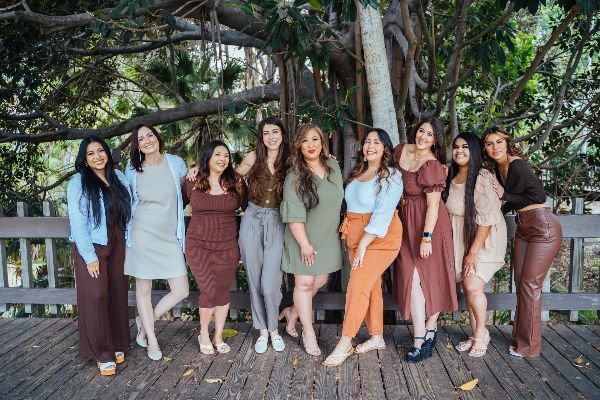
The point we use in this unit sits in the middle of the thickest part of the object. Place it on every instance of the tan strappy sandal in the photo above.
(368, 346)
(335, 360)
(207, 349)
(465, 345)
(480, 351)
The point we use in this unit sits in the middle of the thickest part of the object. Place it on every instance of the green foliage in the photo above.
(326, 113)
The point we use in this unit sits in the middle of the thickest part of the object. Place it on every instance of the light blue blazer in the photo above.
(178, 170)
(83, 232)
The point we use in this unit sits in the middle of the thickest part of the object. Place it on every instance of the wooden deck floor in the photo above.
(38, 360)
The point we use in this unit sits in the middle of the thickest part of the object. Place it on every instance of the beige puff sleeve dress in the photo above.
(487, 213)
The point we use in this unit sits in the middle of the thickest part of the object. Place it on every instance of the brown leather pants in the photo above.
(537, 242)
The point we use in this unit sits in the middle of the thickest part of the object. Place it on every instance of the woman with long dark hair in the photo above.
(424, 281)
(99, 213)
(261, 230)
(312, 198)
(156, 243)
(373, 233)
(537, 240)
(211, 247)
(479, 232)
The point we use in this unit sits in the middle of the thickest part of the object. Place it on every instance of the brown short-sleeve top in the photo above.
(269, 198)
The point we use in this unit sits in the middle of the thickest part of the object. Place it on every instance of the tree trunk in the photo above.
(378, 76)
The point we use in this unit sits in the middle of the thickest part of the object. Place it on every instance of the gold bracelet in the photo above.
(424, 240)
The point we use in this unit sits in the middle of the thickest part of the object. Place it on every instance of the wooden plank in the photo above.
(35, 227)
(260, 374)
(23, 326)
(323, 300)
(325, 377)
(348, 377)
(584, 348)
(18, 346)
(488, 384)
(569, 352)
(199, 364)
(175, 370)
(51, 258)
(133, 367)
(558, 383)
(25, 361)
(574, 226)
(391, 368)
(573, 374)
(576, 264)
(371, 379)
(587, 335)
(509, 381)
(171, 346)
(414, 374)
(526, 373)
(44, 370)
(242, 364)
(222, 363)
(281, 376)
(25, 251)
(75, 372)
(445, 371)
(3, 266)
(4, 322)
(303, 376)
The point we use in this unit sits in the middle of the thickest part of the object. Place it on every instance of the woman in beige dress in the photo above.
(479, 233)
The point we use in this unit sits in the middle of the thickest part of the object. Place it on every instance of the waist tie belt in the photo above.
(261, 214)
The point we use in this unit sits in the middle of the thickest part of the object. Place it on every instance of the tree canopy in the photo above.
(199, 69)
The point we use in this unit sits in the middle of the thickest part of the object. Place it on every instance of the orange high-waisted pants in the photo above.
(363, 297)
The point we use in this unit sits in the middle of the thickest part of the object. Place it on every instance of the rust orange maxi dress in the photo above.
(436, 272)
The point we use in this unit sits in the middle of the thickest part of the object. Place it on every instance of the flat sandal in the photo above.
(465, 345)
(207, 349)
(368, 346)
(480, 352)
(335, 360)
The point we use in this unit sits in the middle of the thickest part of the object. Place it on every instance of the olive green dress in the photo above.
(321, 224)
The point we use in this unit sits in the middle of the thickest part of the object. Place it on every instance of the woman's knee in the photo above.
(473, 285)
(143, 287)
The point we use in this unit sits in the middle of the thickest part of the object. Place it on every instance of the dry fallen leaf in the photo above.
(469, 385)
(578, 360)
(188, 372)
(214, 380)
(228, 332)
(296, 362)
(598, 348)
(167, 359)
(449, 346)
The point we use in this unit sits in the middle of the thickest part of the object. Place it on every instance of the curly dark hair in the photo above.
(260, 169)
(511, 147)
(387, 160)
(306, 186)
(230, 181)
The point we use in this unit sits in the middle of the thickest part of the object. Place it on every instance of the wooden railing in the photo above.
(576, 227)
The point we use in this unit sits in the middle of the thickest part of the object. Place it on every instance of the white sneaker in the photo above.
(261, 345)
(278, 343)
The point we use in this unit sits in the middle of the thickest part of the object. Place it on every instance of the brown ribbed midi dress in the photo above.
(211, 243)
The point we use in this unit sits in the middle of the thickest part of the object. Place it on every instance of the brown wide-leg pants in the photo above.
(102, 302)
(537, 242)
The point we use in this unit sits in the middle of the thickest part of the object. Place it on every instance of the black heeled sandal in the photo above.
(429, 344)
(416, 354)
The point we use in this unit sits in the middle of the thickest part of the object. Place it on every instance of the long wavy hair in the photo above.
(475, 163)
(93, 187)
(306, 187)
(260, 169)
(511, 147)
(230, 181)
(439, 144)
(136, 156)
(387, 160)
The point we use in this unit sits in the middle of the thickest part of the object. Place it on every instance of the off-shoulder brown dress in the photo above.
(437, 271)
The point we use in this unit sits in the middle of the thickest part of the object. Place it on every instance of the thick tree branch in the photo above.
(208, 107)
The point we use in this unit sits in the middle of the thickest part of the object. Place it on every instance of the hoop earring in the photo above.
(140, 153)
(364, 158)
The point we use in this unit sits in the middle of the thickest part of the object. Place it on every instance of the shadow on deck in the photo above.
(38, 360)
